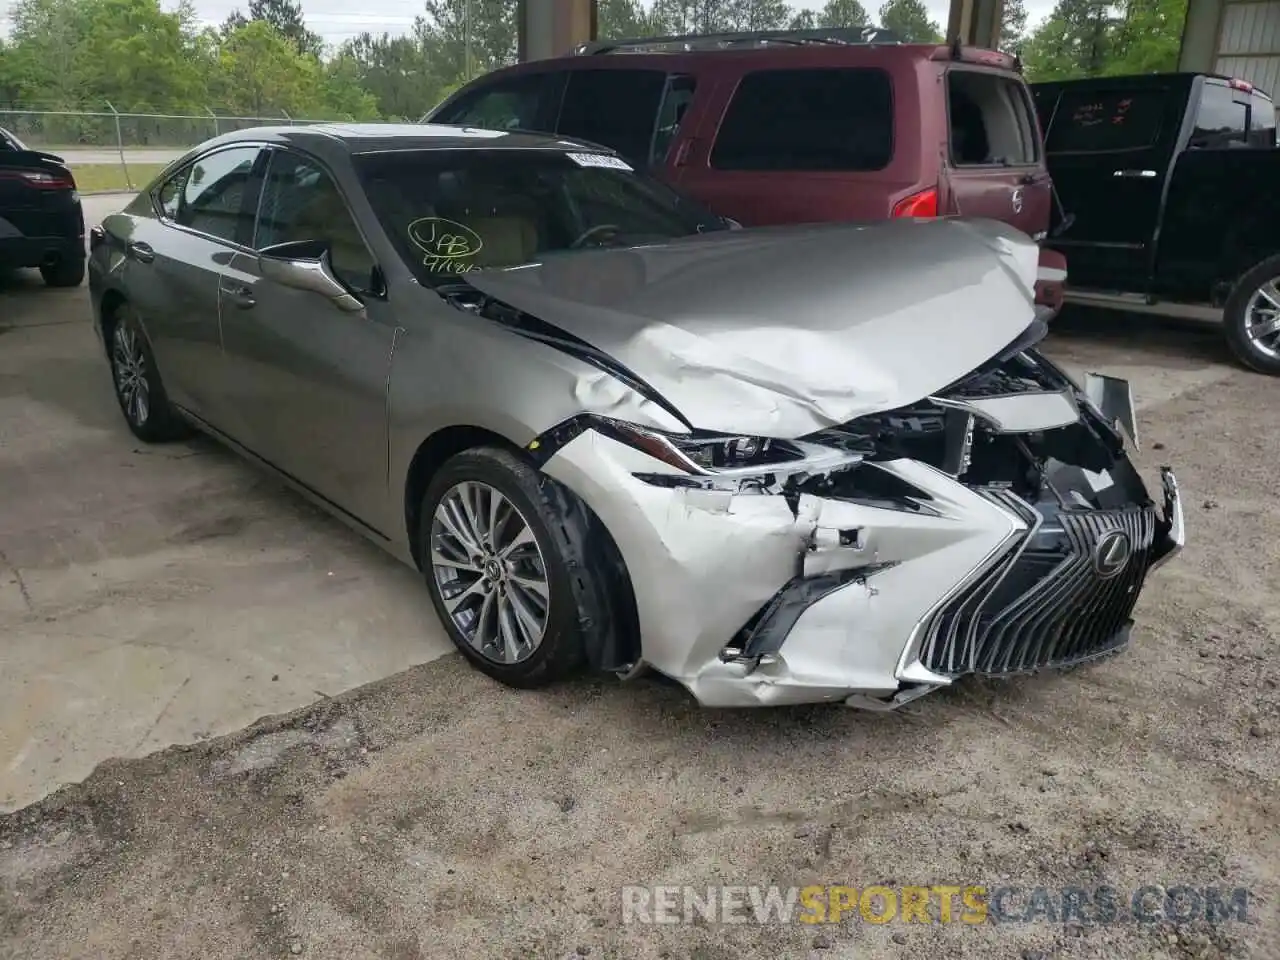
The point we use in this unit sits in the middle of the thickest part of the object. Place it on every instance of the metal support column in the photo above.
(1200, 36)
(552, 28)
(975, 23)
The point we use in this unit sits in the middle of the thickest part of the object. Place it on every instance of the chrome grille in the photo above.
(1034, 608)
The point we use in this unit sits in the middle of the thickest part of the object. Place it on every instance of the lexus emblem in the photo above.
(1016, 200)
(1112, 553)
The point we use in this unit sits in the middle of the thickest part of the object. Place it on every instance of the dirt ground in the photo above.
(435, 814)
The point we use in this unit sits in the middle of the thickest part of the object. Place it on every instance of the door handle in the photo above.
(141, 252)
(1135, 174)
(240, 295)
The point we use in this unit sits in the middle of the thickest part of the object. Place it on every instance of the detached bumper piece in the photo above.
(1061, 595)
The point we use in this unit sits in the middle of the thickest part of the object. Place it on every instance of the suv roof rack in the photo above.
(840, 36)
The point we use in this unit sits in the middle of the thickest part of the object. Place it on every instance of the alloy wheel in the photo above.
(1262, 319)
(130, 365)
(490, 572)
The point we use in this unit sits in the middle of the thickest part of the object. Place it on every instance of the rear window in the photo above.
(1104, 121)
(808, 120)
(990, 120)
(1221, 118)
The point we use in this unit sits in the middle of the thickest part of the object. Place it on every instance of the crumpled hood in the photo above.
(783, 331)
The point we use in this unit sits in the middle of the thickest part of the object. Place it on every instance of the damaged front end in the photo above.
(996, 527)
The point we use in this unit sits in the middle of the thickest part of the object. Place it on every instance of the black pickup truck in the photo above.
(1169, 188)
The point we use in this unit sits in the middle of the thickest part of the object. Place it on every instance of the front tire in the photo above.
(1252, 318)
(64, 273)
(503, 550)
(139, 389)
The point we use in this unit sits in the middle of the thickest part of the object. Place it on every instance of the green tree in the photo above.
(622, 20)
(844, 13)
(1077, 40)
(262, 75)
(138, 57)
(396, 71)
(757, 14)
(803, 20)
(286, 17)
(466, 38)
(1013, 24)
(1148, 37)
(691, 16)
(909, 19)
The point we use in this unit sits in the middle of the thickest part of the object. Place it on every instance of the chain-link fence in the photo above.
(123, 148)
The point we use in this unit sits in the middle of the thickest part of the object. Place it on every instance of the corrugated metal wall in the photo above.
(1249, 43)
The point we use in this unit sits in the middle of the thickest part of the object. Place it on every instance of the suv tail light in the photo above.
(922, 204)
(40, 179)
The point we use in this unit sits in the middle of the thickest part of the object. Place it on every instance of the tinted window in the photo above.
(453, 212)
(675, 103)
(990, 119)
(1221, 116)
(300, 201)
(807, 120)
(212, 198)
(522, 103)
(616, 108)
(1262, 122)
(1105, 121)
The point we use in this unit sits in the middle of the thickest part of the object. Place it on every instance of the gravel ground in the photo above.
(435, 814)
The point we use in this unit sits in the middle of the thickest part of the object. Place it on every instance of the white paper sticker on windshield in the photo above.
(599, 160)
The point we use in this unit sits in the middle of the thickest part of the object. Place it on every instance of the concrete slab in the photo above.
(159, 595)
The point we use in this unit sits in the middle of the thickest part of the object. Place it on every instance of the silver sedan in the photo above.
(613, 431)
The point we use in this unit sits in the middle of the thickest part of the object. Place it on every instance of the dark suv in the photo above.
(796, 126)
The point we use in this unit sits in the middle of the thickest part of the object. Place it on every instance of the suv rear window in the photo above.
(1092, 121)
(835, 119)
(990, 120)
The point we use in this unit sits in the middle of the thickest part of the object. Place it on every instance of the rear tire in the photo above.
(463, 548)
(139, 390)
(1251, 312)
(64, 273)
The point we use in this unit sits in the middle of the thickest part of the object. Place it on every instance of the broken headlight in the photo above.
(703, 452)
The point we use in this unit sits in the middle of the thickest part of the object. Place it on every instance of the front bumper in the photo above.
(751, 599)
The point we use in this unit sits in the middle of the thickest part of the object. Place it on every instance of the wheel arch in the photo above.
(108, 308)
(620, 645)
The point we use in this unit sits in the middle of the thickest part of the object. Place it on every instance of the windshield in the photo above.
(451, 212)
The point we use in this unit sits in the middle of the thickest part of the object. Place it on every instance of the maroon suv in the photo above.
(782, 127)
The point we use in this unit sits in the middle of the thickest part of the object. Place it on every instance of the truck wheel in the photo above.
(1252, 318)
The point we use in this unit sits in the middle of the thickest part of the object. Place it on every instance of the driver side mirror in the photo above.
(305, 265)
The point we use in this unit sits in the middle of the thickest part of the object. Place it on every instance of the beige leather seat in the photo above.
(505, 241)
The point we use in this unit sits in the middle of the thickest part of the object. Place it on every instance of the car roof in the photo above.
(387, 137)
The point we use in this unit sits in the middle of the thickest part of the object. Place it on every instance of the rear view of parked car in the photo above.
(41, 223)
(783, 127)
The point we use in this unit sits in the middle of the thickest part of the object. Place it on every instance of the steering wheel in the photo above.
(591, 232)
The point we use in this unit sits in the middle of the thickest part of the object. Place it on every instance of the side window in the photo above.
(615, 108)
(300, 201)
(832, 119)
(522, 103)
(1220, 118)
(990, 120)
(1105, 121)
(675, 104)
(169, 196)
(213, 194)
